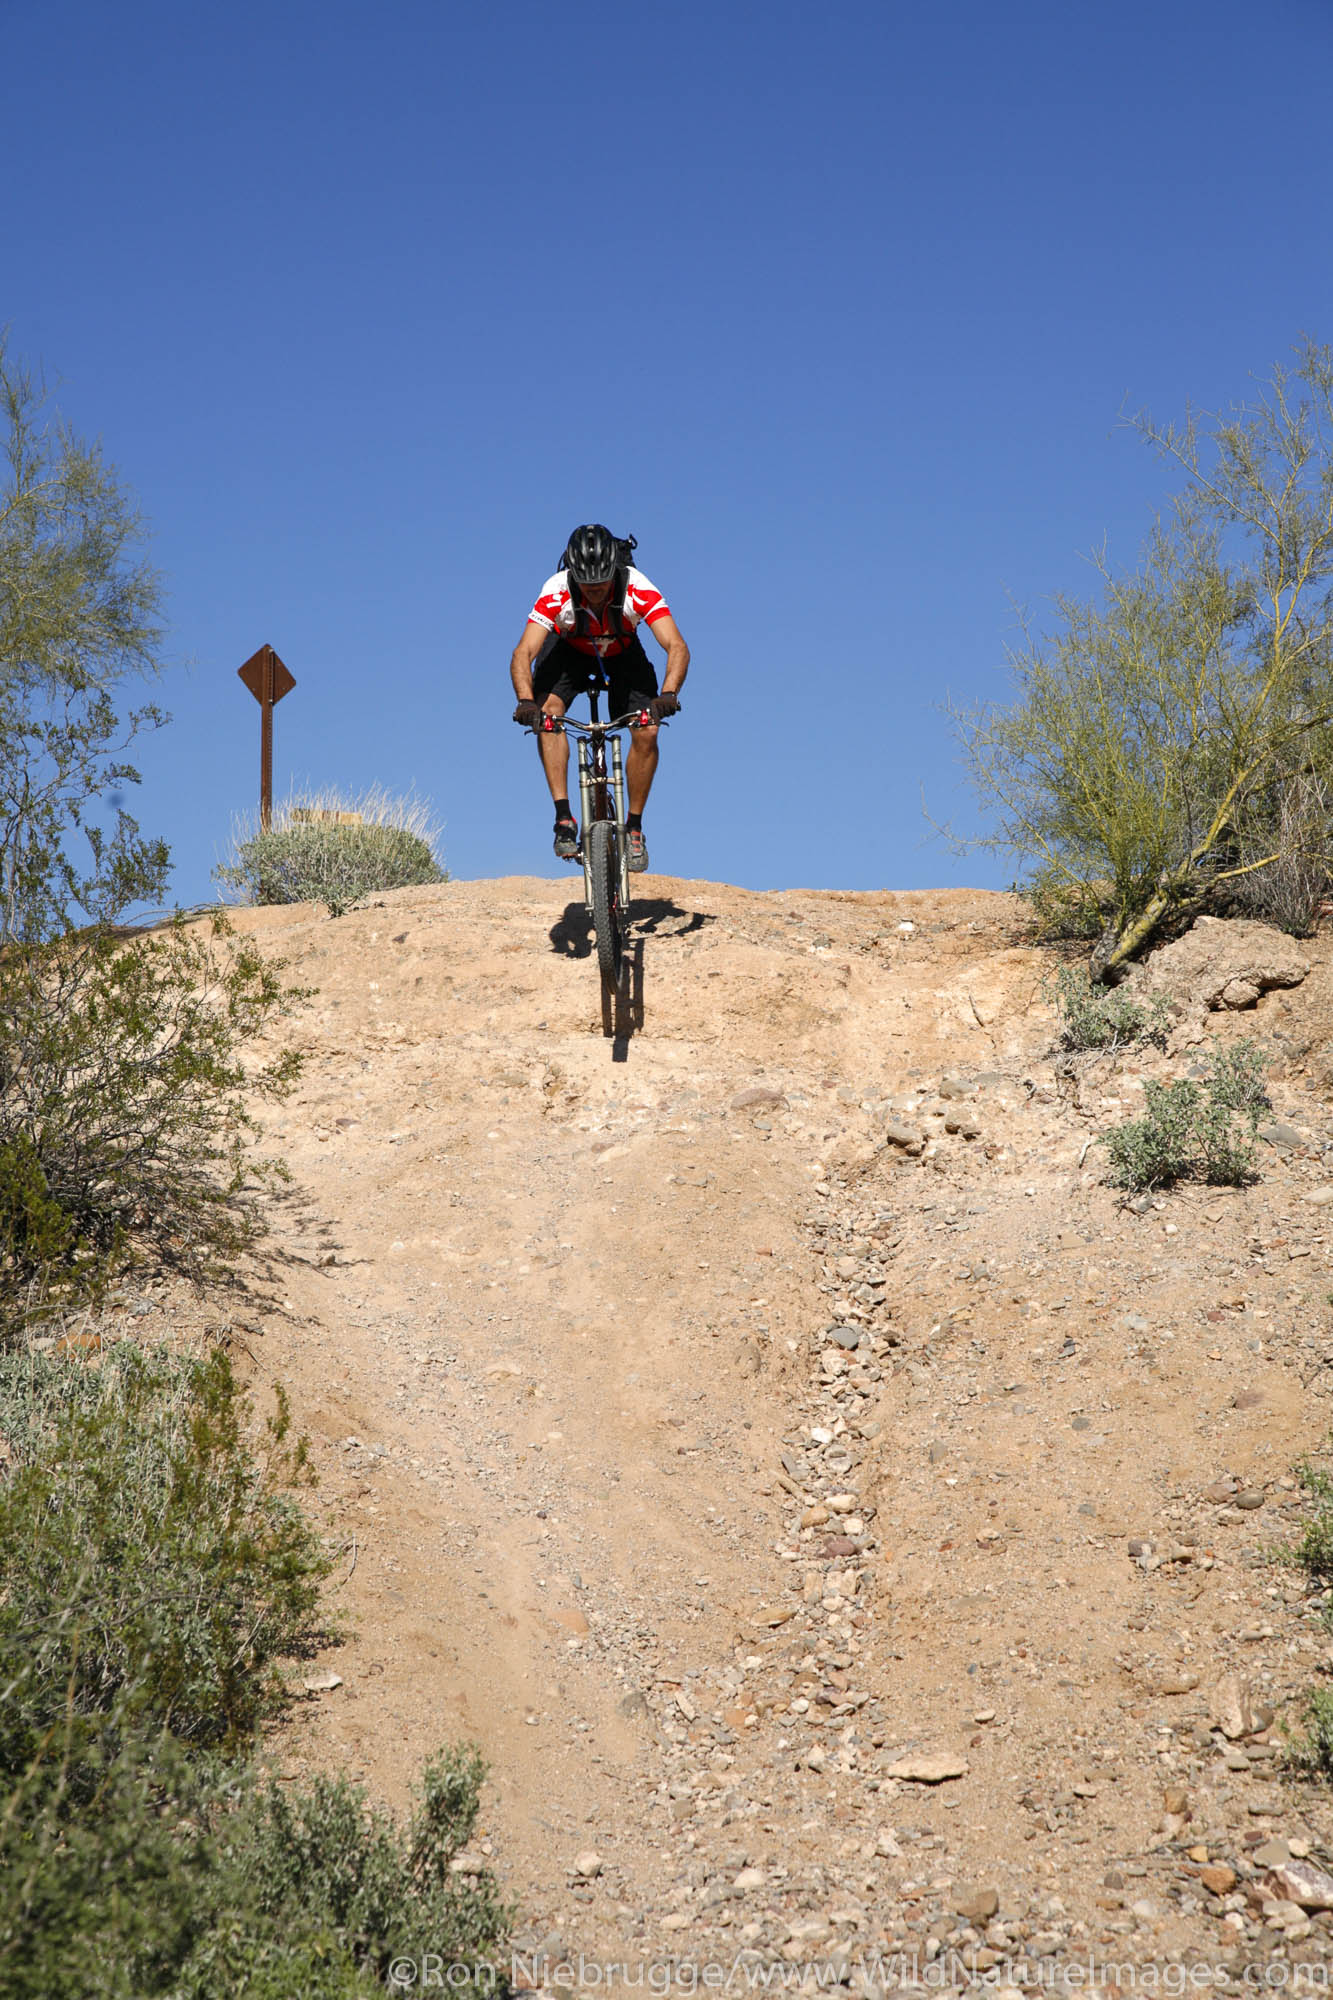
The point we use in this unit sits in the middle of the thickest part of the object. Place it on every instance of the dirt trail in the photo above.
(699, 1575)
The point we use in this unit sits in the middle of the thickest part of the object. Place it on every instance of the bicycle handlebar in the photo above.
(640, 719)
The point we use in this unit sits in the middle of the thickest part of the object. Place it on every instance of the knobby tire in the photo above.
(604, 869)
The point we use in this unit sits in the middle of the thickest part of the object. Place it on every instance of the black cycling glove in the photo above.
(663, 705)
(529, 714)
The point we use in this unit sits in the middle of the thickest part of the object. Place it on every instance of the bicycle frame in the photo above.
(605, 844)
(602, 784)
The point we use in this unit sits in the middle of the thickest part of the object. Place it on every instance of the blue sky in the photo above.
(835, 307)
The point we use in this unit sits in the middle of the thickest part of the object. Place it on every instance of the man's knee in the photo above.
(645, 738)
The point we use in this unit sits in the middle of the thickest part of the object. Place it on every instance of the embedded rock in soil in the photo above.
(928, 1768)
(1222, 963)
(1301, 1882)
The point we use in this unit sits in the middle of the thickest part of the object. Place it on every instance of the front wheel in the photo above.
(607, 913)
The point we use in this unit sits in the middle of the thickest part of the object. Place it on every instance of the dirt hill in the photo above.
(719, 1590)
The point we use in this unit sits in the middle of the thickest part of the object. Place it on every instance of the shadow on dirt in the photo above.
(571, 936)
(622, 1008)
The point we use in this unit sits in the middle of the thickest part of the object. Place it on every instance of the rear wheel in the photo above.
(604, 868)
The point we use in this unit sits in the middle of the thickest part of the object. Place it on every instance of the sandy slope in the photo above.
(553, 1307)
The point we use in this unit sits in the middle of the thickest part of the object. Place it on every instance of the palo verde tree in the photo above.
(79, 618)
(121, 1067)
(1170, 746)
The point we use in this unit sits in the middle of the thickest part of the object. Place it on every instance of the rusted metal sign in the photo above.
(268, 681)
(258, 667)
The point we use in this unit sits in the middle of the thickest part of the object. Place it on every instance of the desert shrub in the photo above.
(155, 1565)
(1159, 1148)
(153, 1558)
(121, 1059)
(100, 1881)
(1062, 911)
(1313, 1553)
(1312, 1751)
(1099, 1017)
(123, 1078)
(321, 1866)
(80, 619)
(1236, 1083)
(1170, 740)
(1194, 1130)
(311, 855)
(181, 1880)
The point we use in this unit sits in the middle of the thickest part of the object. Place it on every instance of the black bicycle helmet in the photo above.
(593, 554)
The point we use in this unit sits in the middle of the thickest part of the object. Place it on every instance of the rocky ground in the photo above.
(847, 1523)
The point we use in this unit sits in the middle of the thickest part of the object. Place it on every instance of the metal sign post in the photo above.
(268, 681)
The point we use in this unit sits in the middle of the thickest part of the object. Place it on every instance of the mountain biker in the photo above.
(589, 611)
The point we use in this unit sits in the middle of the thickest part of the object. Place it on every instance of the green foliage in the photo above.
(121, 1060)
(1159, 1148)
(1095, 1017)
(154, 1568)
(1190, 1130)
(123, 1079)
(1312, 1753)
(1170, 746)
(184, 1880)
(1063, 911)
(153, 1560)
(1314, 1551)
(80, 613)
(322, 849)
(99, 1885)
(319, 1869)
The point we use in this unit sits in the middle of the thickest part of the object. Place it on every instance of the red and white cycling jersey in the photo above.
(554, 609)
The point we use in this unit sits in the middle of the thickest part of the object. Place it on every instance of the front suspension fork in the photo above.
(589, 786)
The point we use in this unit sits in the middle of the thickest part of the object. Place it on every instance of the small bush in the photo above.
(1314, 1551)
(1062, 910)
(321, 1867)
(123, 1079)
(1312, 1753)
(154, 1565)
(100, 1880)
(186, 1882)
(1191, 1130)
(1101, 1017)
(309, 856)
(152, 1560)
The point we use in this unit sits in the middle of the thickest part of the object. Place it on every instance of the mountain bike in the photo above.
(603, 848)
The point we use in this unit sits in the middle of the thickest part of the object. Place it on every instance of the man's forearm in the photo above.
(520, 673)
(677, 666)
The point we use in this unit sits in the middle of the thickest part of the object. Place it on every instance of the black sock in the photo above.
(634, 823)
(562, 809)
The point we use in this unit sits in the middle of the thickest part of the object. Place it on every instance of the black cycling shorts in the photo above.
(562, 670)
